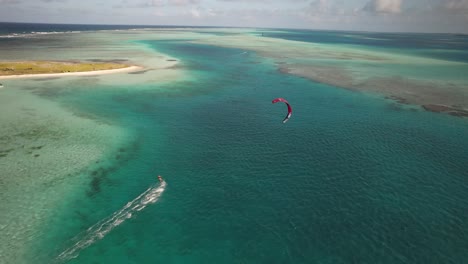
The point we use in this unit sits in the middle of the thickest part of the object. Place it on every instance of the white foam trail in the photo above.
(100, 229)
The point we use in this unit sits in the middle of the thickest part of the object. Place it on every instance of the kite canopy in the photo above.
(289, 108)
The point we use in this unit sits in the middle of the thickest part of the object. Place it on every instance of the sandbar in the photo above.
(84, 73)
(355, 68)
(438, 97)
(45, 151)
(446, 109)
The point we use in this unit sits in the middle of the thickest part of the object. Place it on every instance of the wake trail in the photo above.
(103, 227)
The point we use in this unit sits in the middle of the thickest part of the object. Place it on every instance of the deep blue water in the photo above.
(25, 28)
(7, 28)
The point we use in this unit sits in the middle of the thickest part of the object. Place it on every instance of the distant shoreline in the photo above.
(82, 73)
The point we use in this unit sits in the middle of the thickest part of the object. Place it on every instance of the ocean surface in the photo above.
(352, 177)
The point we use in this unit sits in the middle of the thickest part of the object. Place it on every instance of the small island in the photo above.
(22, 69)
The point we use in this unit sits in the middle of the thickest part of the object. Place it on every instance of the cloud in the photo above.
(10, 2)
(159, 13)
(330, 8)
(263, 1)
(457, 5)
(73, 11)
(201, 12)
(156, 3)
(319, 6)
(383, 6)
(144, 4)
(195, 13)
(182, 2)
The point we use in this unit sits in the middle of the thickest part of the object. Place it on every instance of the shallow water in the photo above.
(352, 177)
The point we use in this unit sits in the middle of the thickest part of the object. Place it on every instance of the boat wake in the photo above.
(100, 229)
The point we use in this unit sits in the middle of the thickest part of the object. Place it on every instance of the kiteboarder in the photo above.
(160, 178)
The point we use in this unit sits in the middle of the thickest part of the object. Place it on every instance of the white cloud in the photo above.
(6, 2)
(212, 12)
(159, 13)
(457, 5)
(195, 13)
(319, 6)
(182, 2)
(384, 6)
(156, 3)
(160, 3)
(50, 1)
(263, 1)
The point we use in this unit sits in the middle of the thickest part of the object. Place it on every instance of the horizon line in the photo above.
(240, 27)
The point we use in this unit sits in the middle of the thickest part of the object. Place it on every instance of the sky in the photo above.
(446, 16)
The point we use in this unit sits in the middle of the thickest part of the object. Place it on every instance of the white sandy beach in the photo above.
(87, 73)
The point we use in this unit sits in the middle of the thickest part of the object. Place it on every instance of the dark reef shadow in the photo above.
(102, 174)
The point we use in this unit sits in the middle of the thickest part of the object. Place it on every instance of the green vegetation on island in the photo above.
(8, 68)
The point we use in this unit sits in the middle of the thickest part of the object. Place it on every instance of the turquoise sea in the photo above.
(352, 177)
